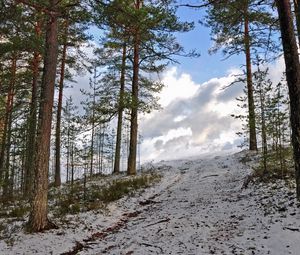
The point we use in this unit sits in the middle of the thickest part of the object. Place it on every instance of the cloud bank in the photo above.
(195, 118)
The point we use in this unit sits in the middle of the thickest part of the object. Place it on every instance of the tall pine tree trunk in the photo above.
(120, 114)
(131, 168)
(293, 77)
(7, 121)
(38, 220)
(57, 174)
(32, 121)
(297, 15)
(93, 123)
(251, 107)
(7, 175)
(1, 117)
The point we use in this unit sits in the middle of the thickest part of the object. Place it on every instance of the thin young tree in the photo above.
(120, 112)
(57, 175)
(71, 37)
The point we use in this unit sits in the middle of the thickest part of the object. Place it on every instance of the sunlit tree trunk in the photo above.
(251, 107)
(131, 168)
(120, 113)
(38, 220)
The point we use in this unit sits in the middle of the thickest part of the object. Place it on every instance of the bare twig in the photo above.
(158, 222)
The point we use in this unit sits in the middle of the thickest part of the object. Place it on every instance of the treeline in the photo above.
(41, 50)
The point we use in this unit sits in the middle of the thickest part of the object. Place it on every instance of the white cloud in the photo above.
(276, 70)
(176, 87)
(195, 118)
(180, 118)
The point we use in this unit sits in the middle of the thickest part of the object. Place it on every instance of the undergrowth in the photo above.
(279, 166)
(81, 198)
(95, 194)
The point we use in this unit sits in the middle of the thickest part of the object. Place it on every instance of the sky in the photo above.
(196, 110)
(206, 66)
(196, 115)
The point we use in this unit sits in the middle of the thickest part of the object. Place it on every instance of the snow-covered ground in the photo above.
(197, 208)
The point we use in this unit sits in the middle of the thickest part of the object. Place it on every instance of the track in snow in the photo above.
(204, 212)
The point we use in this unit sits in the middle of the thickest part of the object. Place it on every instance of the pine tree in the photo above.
(147, 27)
(57, 177)
(39, 214)
(293, 78)
(32, 118)
(262, 90)
(242, 26)
(71, 130)
(71, 38)
(120, 111)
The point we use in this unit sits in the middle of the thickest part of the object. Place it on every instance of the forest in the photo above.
(48, 142)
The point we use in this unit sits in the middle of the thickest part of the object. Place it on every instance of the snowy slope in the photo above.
(197, 208)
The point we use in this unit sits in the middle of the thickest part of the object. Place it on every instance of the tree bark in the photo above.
(131, 168)
(120, 114)
(251, 107)
(293, 78)
(1, 116)
(38, 220)
(297, 15)
(57, 174)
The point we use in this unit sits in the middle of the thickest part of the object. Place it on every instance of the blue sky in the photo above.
(206, 66)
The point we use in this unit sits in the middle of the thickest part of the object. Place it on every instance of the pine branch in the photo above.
(200, 5)
(49, 11)
(34, 6)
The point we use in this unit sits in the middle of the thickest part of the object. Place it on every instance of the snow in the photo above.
(199, 207)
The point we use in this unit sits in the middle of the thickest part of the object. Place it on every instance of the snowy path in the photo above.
(204, 212)
(198, 208)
